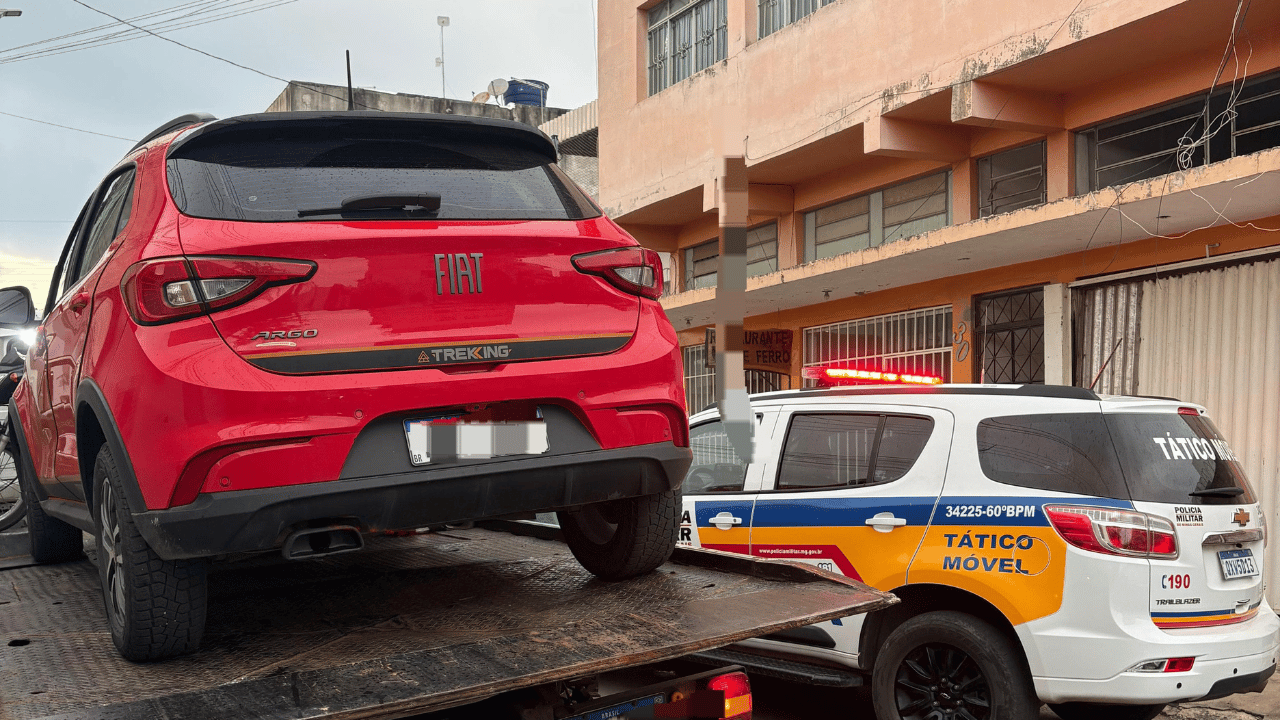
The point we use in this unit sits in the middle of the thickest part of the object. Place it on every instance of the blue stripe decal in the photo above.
(1008, 511)
(704, 510)
(839, 512)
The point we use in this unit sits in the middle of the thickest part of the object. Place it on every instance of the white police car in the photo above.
(1100, 554)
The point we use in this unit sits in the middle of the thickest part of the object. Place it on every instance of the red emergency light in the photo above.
(852, 376)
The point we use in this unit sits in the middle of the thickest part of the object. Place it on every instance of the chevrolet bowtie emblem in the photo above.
(1241, 517)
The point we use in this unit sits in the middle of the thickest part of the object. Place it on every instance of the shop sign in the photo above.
(761, 349)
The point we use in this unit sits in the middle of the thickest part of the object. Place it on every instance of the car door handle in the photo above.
(79, 302)
(725, 520)
(885, 521)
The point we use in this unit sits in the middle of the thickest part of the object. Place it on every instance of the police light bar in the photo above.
(840, 376)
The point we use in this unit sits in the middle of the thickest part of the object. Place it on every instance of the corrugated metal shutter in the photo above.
(1213, 338)
(1106, 319)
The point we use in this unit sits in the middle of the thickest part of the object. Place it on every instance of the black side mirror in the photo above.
(16, 309)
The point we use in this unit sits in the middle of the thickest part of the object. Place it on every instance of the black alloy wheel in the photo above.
(940, 682)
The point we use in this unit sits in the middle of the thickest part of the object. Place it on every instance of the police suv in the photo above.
(1099, 554)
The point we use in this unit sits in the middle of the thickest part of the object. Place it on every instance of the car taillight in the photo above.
(634, 269)
(1165, 665)
(737, 695)
(1114, 532)
(174, 288)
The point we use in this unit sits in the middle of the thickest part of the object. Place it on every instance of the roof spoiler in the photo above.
(175, 124)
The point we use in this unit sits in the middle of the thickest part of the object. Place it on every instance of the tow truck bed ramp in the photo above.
(409, 625)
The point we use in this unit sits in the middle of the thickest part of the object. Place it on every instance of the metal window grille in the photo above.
(759, 381)
(702, 262)
(685, 36)
(1010, 336)
(915, 341)
(897, 212)
(1145, 145)
(1256, 124)
(773, 15)
(1011, 180)
(699, 380)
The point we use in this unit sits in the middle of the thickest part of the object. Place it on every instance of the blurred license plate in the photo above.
(621, 709)
(1237, 563)
(444, 439)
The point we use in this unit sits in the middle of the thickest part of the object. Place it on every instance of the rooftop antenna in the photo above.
(481, 98)
(351, 102)
(443, 22)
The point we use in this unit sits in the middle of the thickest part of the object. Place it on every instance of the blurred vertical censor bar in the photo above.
(731, 291)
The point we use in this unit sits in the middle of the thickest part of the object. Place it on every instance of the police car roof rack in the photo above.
(1069, 392)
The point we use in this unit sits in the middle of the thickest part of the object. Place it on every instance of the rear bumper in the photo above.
(1207, 680)
(254, 520)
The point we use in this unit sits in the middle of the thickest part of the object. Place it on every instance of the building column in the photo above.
(1060, 173)
(1057, 334)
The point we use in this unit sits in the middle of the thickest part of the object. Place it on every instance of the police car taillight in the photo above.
(850, 376)
(737, 695)
(1114, 532)
(1166, 665)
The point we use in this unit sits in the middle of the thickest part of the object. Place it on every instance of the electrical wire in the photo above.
(216, 57)
(1186, 144)
(191, 19)
(67, 127)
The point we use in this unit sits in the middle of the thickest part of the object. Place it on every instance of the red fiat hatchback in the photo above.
(282, 332)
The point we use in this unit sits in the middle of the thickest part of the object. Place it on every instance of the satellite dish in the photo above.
(498, 87)
(481, 98)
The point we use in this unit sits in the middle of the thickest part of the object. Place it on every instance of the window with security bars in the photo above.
(699, 380)
(759, 381)
(915, 341)
(702, 262)
(685, 36)
(1011, 180)
(894, 213)
(1009, 336)
(1242, 118)
(776, 14)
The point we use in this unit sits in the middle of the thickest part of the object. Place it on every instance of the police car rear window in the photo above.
(1066, 452)
(1180, 459)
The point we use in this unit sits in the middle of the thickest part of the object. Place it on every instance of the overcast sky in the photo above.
(129, 88)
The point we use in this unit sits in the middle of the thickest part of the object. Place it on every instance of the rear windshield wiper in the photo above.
(420, 202)
(1218, 492)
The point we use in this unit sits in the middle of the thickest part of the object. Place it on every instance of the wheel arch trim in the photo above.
(926, 597)
(90, 397)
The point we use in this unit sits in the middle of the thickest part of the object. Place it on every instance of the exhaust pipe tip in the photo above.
(321, 542)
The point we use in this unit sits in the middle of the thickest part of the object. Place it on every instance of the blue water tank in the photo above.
(526, 92)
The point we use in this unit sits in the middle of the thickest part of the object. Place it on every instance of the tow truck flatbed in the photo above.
(407, 626)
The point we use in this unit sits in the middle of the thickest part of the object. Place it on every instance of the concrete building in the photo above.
(997, 191)
(575, 130)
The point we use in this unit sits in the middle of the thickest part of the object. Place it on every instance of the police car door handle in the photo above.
(885, 521)
(725, 520)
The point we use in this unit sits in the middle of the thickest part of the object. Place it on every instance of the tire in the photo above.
(621, 539)
(1102, 711)
(156, 607)
(951, 666)
(12, 507)
(49, 539)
